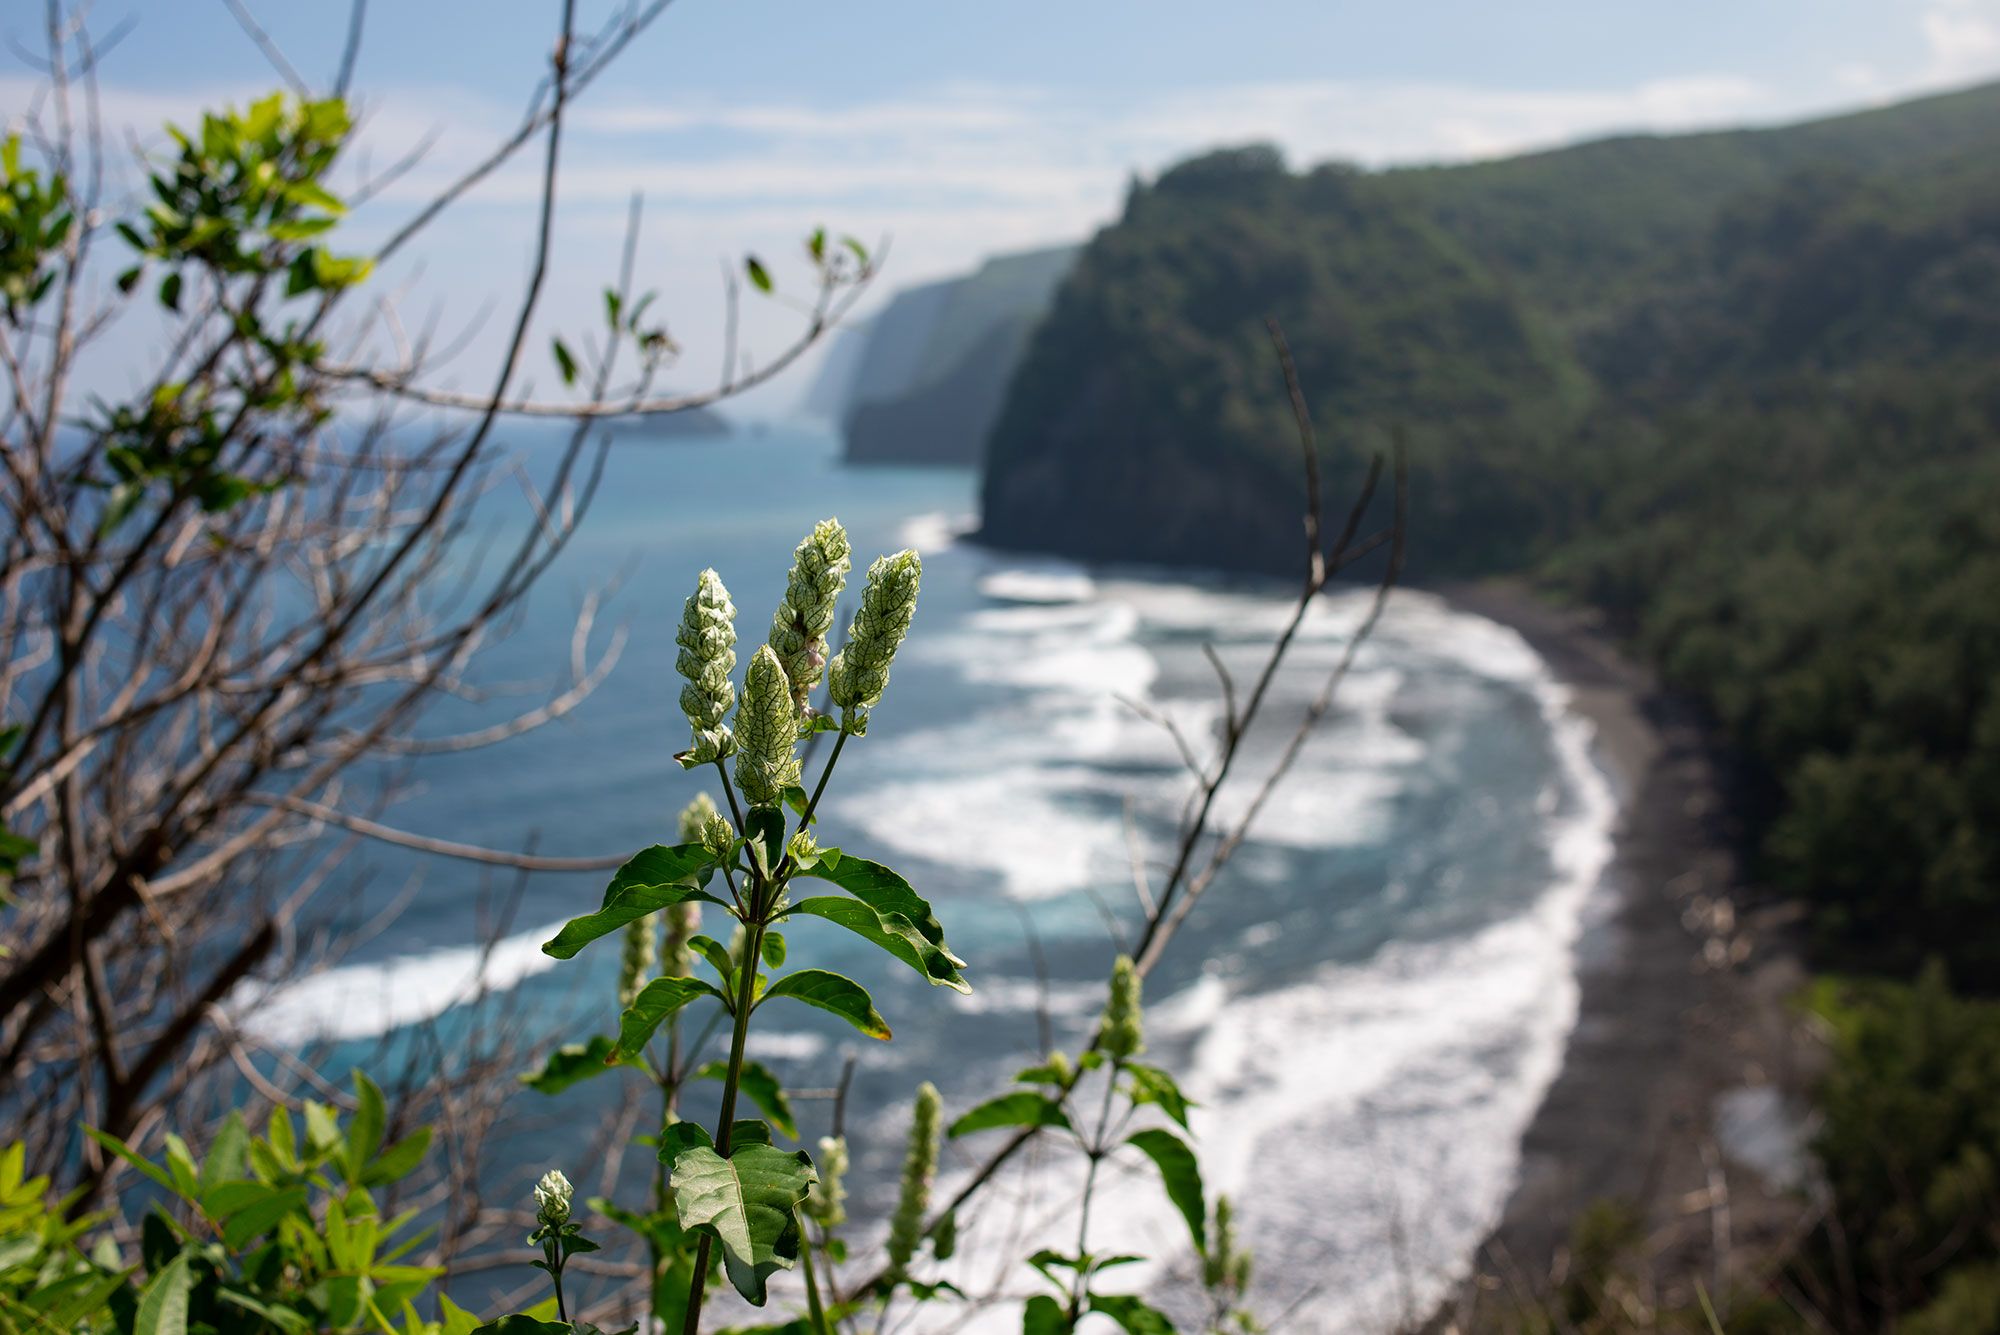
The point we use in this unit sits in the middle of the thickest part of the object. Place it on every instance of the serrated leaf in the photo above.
(655, 1002)
(763, 1088)
(1023, 1107)
(651, 880)
(750, 1202)
(1181, 1172)
(833, 993)
(572, 1062)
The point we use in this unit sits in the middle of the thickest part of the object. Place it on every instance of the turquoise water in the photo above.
(1369, 1002)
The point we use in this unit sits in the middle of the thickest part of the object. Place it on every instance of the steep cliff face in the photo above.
(1506, 318)
(1149, 421)
(928, 373)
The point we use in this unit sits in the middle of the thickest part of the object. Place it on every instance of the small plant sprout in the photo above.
(733, 1193)
(1053, 1100)
(560, 1238)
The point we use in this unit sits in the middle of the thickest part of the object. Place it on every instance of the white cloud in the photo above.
(1962, 38)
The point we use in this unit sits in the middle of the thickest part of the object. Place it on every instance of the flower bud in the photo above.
(552, 1195)
(860, 671)
(906, 1227)
(799, 626)
(767, 732)
(718, 835)
(826, 1201)
(695, 816)
(803, 849)
(707, 639)
(1119, 1035)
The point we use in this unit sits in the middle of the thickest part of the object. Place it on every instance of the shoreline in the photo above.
(1682, 1087)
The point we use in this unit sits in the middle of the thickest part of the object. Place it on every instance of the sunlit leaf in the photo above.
(653, 879)
(832, 992)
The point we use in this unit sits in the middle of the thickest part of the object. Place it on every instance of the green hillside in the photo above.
(1739, 391)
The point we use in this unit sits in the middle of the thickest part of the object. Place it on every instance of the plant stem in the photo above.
(1096, 1151)
(746, 989)
(553, 1250)
(814, 1312)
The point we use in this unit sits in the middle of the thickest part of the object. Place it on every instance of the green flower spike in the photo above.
(860, 671)
(799, 626)
(767, 733)
(826, 1203)
(641, 947)
(1120, 1035)
(906, 1228)
(707, 638)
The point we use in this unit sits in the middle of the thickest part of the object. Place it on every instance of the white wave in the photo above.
(362, 1000)
(1367, 1120)
(934, 532)
(1050, 582)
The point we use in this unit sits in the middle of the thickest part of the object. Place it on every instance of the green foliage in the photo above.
(1910, 1142)
(35, 222)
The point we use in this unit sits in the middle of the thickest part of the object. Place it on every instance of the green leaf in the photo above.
(399, 1160)
(1132, 1313)
(1043, 1315)
(750, 1202)
(256, 1211)
(522, 1324)
(612, 306)
(133, 1157)
(565, 363)
(894, 933)
(163, 1303)
(228, 1153)
(655, 1002)
(572, 1062)
(717, 956)
(763, 1088)
(364, 1132)
(1023, 1107)
(170, 291)
(772, 949)
(760, 277)
(892, 899)
(653, 879)
(764, 828)
(680, 1137)
(1152, 1085)
(831, 992)
(1181, 1172)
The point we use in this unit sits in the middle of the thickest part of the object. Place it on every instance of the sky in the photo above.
(956, 130)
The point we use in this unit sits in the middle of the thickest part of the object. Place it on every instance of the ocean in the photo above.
(1368, 1005)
